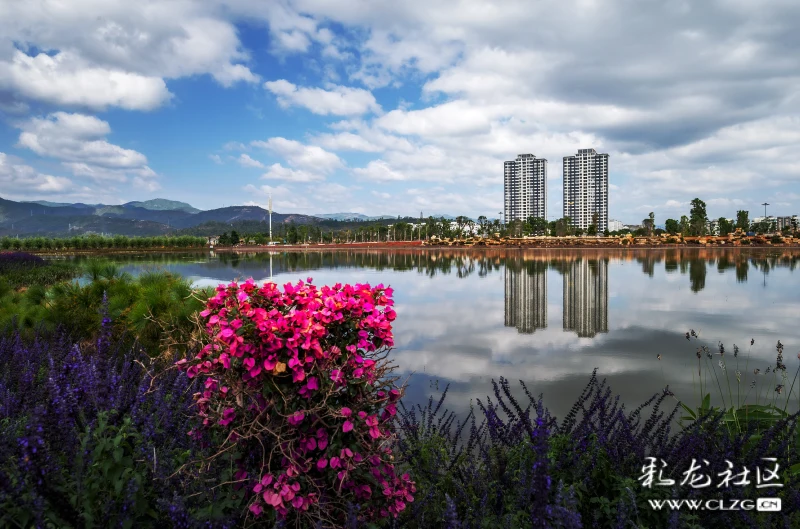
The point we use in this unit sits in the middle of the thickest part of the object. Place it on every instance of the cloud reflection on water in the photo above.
(550, 317)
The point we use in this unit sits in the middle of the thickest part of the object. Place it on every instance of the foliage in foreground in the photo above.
(515, 466)
(88, 438)
(156, 308)
(20, 269)
(95, 435)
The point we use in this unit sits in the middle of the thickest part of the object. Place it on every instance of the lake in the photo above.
(548, 317)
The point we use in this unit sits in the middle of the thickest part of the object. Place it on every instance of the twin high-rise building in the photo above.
(525, 186)
(585, 188)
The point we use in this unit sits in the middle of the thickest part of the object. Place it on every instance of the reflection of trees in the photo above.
(648, 262)
(697, 274)
(741, 270)
(670, 261)
(464, 263)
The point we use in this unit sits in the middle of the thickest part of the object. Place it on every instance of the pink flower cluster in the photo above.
(300, 371)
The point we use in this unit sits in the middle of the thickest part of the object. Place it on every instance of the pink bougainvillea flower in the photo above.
(227, 417)
(296, 418)
(272, 498)
(315, 334)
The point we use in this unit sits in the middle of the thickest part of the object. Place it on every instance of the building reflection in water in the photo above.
(526, 295)
(586, 297)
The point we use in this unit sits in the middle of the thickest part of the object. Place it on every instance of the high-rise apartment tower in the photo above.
(586, 189)
(525, 186)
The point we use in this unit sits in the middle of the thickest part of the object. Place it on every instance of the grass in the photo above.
(156, 308)
(719, 372)
(21, 270)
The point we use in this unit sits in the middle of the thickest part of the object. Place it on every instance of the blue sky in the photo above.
(386, 107)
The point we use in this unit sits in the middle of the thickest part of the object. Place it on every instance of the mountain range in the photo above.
(151, 217)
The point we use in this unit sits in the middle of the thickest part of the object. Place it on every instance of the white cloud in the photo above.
(23, 180)
(246, 161)
(215, 158)
(78, 141)
(278, 172)
(448, 119)
(347, 141)
(115, 53)
(337, 100)
(64, 79)
(235, 146)
(378, 171)
(307, 157)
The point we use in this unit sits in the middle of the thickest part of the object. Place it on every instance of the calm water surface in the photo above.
(548, 317)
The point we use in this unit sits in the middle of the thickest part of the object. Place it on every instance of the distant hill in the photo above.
(353, 216)
(156, 217)
(60, 219)
(162, 204)
(343, 216)
(60, 204)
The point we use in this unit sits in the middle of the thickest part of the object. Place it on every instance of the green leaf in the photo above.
(688, 410)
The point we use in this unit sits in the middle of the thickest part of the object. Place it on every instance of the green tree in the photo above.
(672, 226)
(684, 224)
(725, 227)
(483, 224)
(538, 225)
(743, 220)
(698, 217)
(235, 238)
(591, 230)
(649, 224)
(562, 227)
(291, 234)
(224, 239)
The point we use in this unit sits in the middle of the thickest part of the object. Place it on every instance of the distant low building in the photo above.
(790, 221)
(213, 240)
(712, 227)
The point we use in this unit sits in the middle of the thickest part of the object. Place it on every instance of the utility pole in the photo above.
(270, 217)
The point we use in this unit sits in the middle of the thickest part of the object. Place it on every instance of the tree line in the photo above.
(98, 242)
(697, 223)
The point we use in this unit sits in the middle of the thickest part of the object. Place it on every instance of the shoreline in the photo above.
(519, 244)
